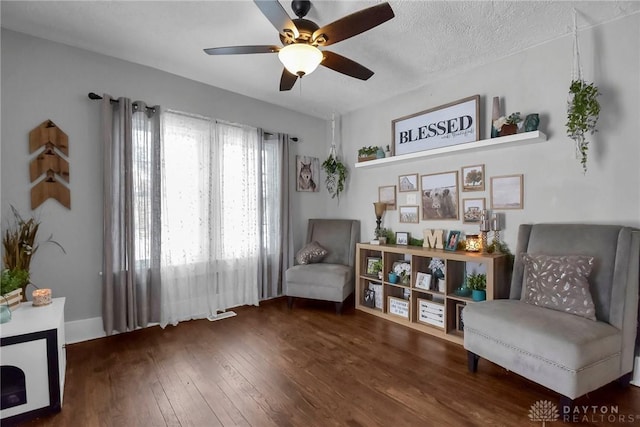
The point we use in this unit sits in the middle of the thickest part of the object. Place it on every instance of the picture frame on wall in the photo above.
(439, 196)
(452, 240)
(307, 174)
(507, 192)
(408, 182)
(402, 238)
(472, 209)
(409, 214)
(472, 178)
(443, 126)
(387, 194)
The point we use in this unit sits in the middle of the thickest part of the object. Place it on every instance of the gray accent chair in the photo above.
(332, 279)
(568, 354)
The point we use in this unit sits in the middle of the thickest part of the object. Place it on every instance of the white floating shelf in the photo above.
(502, 141)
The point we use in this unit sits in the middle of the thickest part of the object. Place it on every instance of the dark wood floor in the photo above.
(270, 366)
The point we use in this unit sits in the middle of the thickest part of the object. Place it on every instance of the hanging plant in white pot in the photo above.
(583, 108)
(334, 168)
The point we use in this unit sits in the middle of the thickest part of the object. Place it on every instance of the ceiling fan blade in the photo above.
(287, 80)
(278, 17)
(345, 66)
(239, 50)
(352, 25)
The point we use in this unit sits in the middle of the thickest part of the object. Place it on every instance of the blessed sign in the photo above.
(450, 124)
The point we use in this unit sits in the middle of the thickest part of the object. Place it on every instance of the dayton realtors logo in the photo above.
(545, 411)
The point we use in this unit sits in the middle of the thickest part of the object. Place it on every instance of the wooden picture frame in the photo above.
(370, 263)
(472, 178)
(439, 193)
(452, 240)
(507, 192)
(471, 210)
(409, 214)
(387, 194)
(450, 124)
(423, 281)
(408, 183)
(402, 238)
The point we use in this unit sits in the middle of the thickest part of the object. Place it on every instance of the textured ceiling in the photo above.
(423, 41)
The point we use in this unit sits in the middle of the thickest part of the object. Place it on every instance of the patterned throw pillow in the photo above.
(559, 283)
(311, 254)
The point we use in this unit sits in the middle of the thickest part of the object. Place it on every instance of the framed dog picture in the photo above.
(307, 174)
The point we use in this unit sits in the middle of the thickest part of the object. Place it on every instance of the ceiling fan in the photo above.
(302, 37)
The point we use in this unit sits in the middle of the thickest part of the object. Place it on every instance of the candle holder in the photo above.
(483, 237)
(41, 297)
(473, 243)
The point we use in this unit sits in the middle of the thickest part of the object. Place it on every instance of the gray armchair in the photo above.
(333, 278)
(564, 352)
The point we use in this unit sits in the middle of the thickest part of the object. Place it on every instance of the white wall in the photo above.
(43, 80)
(536, 80)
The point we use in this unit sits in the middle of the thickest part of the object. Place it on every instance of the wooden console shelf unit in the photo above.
(410, 301)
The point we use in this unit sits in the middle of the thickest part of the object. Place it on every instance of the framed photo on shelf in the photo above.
(471, 210)
(459, 323)
(452, 240)
(423, 281)
(387, 194)
(507, 192)
(371, 265)
(439, 196)
(408, 182)
(369, 298)
(402, 238)
(473, 178)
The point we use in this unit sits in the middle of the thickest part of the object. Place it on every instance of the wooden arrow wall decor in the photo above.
(50, 139)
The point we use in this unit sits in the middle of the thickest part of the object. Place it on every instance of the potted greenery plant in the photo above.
(367, 153)
(477, 282)
(376, 267)
(12, 284)
(19, 242)
(583, 110)
(336, 175)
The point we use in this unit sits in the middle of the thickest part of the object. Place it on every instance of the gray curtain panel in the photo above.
(276, 244)
(131, 228)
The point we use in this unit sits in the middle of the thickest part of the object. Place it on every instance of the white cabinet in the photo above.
(33, 361)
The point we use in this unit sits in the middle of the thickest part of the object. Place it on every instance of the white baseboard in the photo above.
(83, 330)
(89, 329)
(636, 372)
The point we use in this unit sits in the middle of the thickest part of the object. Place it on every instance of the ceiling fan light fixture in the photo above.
(300, 59)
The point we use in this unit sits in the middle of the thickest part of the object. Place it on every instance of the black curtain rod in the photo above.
(95, 96)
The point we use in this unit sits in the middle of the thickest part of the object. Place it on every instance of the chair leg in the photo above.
(289, 302)
(566, 405)
(339, 307)
(472, 362)
(624, 380)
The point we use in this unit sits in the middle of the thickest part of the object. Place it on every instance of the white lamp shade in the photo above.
(300, 59)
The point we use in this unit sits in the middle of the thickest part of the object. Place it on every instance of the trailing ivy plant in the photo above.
(583, 110)
(336, 175)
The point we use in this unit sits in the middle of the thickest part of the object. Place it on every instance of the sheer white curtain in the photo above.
(210, 210)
